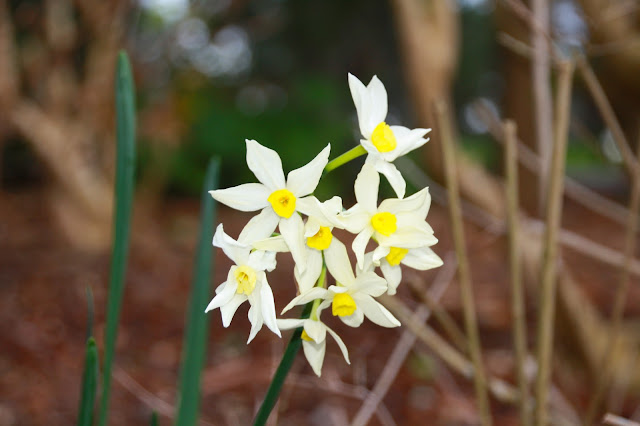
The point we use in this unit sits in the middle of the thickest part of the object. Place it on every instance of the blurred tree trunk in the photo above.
(614, 27)
(518, 98)
(429, 36)
(63, 108)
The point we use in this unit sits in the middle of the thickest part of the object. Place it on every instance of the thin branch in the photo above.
(441, 316)
(542, 100)
(496, 226)
(402, 348)
(553, 215)
(572, 188)
(611, 419)
(517, 289)
(464, 273)
(620, 300)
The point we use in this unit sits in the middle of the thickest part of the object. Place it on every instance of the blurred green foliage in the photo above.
(297, 131)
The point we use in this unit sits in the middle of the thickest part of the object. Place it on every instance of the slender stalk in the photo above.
(124, 186)
(464, 274)
(343, 159)
(620, 298)
(444, 319)
(517, 290)
(542, 100)
(195, 337)
(553, 213)
(279, 377)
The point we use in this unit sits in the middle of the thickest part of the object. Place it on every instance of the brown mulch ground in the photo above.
(43, 314)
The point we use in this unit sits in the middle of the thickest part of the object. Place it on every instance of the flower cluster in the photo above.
(306, 227)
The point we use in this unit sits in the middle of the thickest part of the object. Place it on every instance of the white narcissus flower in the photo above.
(314, 340)
(390, 258)
(395, 223)
(352, 298)
(277, 198)
(382, 142)
(246, 280)
(317, 235)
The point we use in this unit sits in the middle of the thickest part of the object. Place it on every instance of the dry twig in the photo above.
(553, 214)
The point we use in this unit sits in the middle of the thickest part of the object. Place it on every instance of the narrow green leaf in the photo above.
(90, 310)
(195, 338)
(154, 419)
(125, 162)
(89, 384)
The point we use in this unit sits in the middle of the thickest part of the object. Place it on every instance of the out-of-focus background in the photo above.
(212, 73)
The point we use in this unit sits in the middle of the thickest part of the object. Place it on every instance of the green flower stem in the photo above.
(275, 387)
(287, 359)
(320, 283)
(345, 158)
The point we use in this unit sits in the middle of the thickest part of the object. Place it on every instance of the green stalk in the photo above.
(125, 162)
(195, 338)
(279, 377)
(89, 384)
(343, 159)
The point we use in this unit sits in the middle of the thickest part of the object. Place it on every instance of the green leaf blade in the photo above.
(194, 346)
(89, 384)
(124, 186)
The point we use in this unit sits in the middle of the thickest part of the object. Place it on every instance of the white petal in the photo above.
(289, 323)
(370, 102)
(324, 214)
(316, 330)
(354, 320)
(303, 181)
(234, 250)
(228, 310)
(369, 283)
(422, 258)
(338, 264)
(416, 204)
(378, 99)
(393, 176)
(265, 163)
(314, 352)
(355, 219)
(322, 306)
(226, 293)
(408, 140)
(292, 229)
(255, 317)
(368, 266)
(393, 275)
(341, 345)
(366, 188)
(379, 253)
(268, 307)
(408, 237)
(261, 260)
(311, 227)
(247, 197)
(275, 244)
(362, 104)
(313, 294)
(308, 278)
(260, 226)
(375, 312)
(360, 244)
(374, 154)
